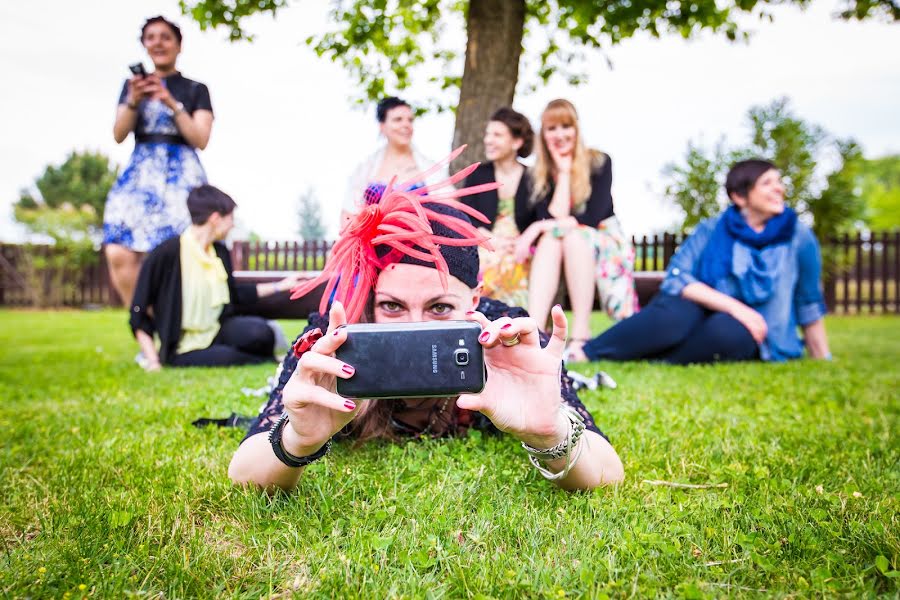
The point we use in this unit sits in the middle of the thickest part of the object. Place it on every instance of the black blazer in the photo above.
(486, 202)
(159, 288)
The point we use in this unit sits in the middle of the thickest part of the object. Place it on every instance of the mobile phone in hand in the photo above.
(138, 69)
(412, 360)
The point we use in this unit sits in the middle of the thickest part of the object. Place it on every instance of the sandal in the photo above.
(574, 353)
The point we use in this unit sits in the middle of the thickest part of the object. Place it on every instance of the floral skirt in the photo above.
(614, 256)
(614, 264)
(503, 278)
(148, 203)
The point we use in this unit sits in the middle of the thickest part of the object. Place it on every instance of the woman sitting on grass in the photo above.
(186, 294)
(737, 288)
(576, 232)
(507, 137)
(383, 251)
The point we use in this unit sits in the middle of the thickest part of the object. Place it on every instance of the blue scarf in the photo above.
(716, 261)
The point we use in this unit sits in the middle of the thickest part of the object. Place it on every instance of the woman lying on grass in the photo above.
(402, 261)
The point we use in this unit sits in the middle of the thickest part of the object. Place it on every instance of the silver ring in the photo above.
(510, 342)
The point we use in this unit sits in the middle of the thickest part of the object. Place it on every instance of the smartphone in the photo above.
(137, 69)
(412, 360)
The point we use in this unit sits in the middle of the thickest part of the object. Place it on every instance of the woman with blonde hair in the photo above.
(576, 230)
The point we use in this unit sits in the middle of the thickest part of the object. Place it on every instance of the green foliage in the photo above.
(106, 485)
(697, 187)
(85, 178)
(880, 183)
(67, 209)
(801, 150)
(309, 215)
(228, 14)
(382, 44)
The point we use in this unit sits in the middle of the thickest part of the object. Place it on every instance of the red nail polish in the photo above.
(507, 326)
(349, 404)
(336, 331)
(469, 313)
(347, 369)
(484, 336)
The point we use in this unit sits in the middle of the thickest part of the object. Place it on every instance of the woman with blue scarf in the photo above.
(737, 289)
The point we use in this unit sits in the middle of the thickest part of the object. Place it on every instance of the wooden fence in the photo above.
(866, 277)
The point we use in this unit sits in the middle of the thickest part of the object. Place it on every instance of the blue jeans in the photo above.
(674, 330)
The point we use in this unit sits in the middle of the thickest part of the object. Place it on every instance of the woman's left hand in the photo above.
(522, 394)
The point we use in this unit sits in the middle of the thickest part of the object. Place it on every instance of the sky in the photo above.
(285, 122)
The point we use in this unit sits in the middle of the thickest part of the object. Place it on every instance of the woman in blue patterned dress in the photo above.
(171, 116)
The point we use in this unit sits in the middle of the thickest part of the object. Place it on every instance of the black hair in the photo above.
(204, 200)
(743, 176)
(386, 104)
(519, 126)
(161, 19)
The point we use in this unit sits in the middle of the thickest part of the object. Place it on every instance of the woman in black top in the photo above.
(575, 230)
(171, 116)
(411, 261)
(507, 137)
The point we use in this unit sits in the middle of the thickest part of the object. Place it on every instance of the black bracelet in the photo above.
(286, 457)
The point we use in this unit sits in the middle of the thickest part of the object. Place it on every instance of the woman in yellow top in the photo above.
(186, 295)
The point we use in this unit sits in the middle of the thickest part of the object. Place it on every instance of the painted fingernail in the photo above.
(470, 313)
(348, 369)
(507, 326)
(349, 404)
(484, 336)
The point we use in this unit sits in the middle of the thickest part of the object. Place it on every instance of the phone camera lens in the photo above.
(461, 357)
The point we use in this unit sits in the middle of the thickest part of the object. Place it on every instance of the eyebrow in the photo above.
(393, 298)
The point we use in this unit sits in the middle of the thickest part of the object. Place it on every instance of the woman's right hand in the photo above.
(563, 162)
(138, 89)
(750, 319)
(309, 397)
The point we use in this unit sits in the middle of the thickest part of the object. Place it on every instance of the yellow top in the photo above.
(204, 292)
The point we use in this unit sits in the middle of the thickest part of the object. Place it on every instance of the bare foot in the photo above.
(574, 352)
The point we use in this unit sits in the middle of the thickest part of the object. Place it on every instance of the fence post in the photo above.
(668, 248)
(896, 271)
(859, 273)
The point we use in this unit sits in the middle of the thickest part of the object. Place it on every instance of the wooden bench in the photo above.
(280, 305)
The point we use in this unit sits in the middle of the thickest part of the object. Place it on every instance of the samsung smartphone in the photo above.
(412, 360)
(137, 69)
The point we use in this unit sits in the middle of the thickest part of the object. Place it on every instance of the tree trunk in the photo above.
(495, 29)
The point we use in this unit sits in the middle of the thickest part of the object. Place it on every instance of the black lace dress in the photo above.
(419, 417)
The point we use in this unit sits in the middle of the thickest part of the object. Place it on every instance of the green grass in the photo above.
(106, 485)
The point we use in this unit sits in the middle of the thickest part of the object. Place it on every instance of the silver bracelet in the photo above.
(564, 448)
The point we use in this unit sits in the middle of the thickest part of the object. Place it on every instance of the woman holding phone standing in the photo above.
(171, 116)
(413, 259)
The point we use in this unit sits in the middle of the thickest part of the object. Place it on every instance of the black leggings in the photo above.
(240, 341)
(674, 330)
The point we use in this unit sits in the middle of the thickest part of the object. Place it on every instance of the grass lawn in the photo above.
(109, 492)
